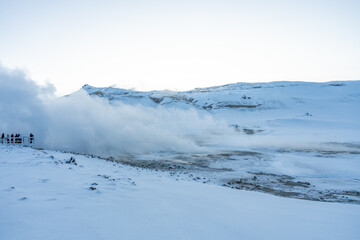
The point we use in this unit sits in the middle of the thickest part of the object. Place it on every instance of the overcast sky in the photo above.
(180, 45)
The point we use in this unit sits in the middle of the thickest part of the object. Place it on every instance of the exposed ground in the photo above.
(253, 171)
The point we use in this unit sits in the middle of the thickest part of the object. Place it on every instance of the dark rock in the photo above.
(71, 161)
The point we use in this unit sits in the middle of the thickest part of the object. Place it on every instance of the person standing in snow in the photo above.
(17, 138)
(31, 138)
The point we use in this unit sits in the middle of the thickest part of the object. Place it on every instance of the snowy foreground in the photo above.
(44, 197)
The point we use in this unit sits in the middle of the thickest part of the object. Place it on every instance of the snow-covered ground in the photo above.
(44, 197)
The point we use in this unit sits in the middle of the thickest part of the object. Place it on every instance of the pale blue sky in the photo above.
(180, 45)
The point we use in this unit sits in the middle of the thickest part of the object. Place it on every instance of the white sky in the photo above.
(180, 45)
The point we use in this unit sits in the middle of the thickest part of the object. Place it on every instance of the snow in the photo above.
(193, 154)
(52, 200)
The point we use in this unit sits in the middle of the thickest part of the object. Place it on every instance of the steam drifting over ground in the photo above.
(85, 124)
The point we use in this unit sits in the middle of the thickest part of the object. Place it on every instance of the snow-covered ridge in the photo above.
(243, 96)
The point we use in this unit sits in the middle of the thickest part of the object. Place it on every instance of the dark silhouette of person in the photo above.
(31, 138)
(17, 138)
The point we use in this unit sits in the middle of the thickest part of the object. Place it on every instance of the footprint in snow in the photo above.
(43, 180)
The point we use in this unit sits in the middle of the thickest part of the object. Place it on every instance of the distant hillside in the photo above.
(239, 96)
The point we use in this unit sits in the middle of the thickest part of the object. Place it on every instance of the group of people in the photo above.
(15, 138)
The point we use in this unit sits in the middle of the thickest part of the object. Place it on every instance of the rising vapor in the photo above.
(85, 124)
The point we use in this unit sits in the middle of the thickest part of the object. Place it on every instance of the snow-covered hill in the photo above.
(298, 105)
(240, 96)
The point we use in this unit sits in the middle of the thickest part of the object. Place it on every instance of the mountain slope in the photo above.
(260, 96)
(276, 105)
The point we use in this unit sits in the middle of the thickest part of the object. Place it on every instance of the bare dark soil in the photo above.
(233, 171)
(288, 186)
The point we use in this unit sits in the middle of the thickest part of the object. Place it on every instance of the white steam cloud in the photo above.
(85, 124)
